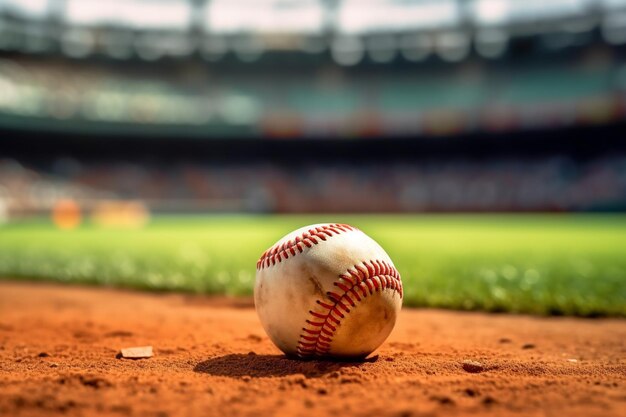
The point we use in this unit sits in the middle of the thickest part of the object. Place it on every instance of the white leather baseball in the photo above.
(327, 290)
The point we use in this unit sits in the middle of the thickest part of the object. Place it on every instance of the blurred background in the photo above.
(285, 105)
(115, 113)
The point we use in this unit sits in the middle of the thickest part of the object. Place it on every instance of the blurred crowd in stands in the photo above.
(544, 184)
(323, 100)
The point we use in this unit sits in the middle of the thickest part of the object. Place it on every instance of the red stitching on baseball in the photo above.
(371, 276)
(292, 247)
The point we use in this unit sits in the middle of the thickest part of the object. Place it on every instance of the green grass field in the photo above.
(548, 264)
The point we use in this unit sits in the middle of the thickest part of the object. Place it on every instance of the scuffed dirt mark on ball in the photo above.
(290, 293)
(259, 294)
(385, 312)
(317, 287)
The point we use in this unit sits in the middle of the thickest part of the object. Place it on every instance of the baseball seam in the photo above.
(356, 284)
(292, 247)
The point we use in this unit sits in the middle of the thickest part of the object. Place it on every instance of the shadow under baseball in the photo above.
(259, 366)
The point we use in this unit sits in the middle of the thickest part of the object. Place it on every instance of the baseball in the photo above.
(327, 290)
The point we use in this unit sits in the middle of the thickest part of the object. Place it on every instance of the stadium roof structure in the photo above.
(156, 28)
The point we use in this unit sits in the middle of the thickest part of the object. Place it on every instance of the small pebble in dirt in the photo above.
(442, 399)
(43, 355)
(473, 366)
(572, 360)
(528, 346)
(489, 400)
(254, 338)
(251, 354)
(389, 359)
(322, 391)
(470, 392)
(140, 352)
(246, 378)
(54, 365)
(505, 340)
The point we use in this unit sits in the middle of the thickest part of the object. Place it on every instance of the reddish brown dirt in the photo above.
(58, 349)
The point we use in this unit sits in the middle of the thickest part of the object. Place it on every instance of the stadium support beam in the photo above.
(55, 21)
(332, 10)
(198, 24)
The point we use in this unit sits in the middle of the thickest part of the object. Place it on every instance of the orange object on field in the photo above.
(66, 214)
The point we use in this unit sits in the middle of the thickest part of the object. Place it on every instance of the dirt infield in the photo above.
(58, 348)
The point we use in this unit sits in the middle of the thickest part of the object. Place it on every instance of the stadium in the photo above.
(152, 150)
